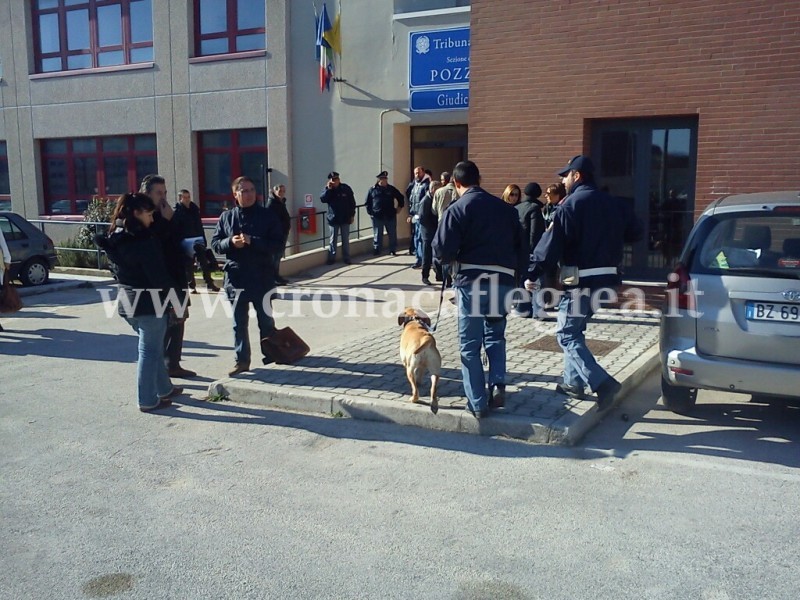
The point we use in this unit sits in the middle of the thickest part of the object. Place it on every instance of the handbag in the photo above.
(10, 302)
(284, 347)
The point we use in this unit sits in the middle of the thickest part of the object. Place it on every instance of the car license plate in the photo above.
(772, 311)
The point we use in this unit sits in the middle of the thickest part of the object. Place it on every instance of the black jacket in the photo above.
(187, 222)
(139, 265)
(341, 204)
(250, 268)
(531, 219)
(590, 229)
(428, 220)
(278, 206)
(481, 229)
(380, 202)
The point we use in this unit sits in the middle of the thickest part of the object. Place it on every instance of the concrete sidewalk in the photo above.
(363, 378)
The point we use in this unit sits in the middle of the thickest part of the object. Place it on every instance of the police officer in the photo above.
(587, 236)
(483, 234)
(341, 213)
(380, 204)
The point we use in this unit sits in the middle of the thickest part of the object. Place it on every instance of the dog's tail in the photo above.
(434, 393)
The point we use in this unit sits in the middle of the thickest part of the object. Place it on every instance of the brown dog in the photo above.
(419, 353)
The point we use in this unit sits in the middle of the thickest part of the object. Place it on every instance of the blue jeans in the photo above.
(152, 378)
(377, 233)
(580, 367)
(344, 228)
(485, 326)
(241, 319)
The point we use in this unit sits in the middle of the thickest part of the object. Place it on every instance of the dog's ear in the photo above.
(426, 319)
(401, 319)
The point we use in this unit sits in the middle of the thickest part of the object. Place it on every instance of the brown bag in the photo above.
(284, 346)
(10, 302)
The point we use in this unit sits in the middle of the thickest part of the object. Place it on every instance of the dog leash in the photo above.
(441, 299)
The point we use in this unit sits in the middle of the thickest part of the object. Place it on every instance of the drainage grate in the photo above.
(548, 343)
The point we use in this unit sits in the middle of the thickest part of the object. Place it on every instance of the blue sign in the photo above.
(452, 98)
(439, 58)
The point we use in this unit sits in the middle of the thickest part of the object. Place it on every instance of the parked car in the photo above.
(32, 252)
(731, 317)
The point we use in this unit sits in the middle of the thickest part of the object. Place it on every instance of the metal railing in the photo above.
(70, 230)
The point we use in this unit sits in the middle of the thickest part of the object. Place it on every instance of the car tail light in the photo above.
(679, 292)
(787, 209)
(681, 371)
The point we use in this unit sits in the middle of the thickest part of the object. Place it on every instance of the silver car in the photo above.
(731, 319)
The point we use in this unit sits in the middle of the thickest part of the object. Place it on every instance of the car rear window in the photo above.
(753, 244)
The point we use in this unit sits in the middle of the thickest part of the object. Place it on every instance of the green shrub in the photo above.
(98, 211)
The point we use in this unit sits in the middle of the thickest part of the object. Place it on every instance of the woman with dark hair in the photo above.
(553, 195)
(139, 266)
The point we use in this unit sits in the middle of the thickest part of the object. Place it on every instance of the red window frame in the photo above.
(94, 49)
(234, 151)
(5, 199)
(69, 156)
(230, 33)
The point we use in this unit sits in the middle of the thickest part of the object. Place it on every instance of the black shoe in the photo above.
(416, 266)
(175, 391)
(426, 281)
(163, 403)
(347, 261)
(497, 396)
(281, 281)
(572, 391)
(393, 253)
(480, 414)
(181, 373)
(377, 253)
(411, 252)
(607, 393)
(331, 260)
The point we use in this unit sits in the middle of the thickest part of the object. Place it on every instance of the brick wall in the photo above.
(540, 70)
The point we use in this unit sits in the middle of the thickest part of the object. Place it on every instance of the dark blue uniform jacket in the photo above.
(341, 204)
(589, 230)
(481, 229)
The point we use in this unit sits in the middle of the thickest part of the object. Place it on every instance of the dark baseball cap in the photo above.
(333, 175)
(383, 175)
(578, 163)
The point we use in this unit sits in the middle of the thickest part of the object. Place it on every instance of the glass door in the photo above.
(651, 163)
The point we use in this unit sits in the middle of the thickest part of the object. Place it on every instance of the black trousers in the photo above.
(173, 345)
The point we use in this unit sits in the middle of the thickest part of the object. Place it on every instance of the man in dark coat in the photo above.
(383, 203)
(189, 226)
(481, 239)
(277, 204)
(249, 236)
(587, 237)
(164, 229)
(341, 213)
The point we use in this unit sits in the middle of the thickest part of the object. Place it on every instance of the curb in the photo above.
(566, 430)
(59, 287)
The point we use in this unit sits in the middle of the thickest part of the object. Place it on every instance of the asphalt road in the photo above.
(217, 500)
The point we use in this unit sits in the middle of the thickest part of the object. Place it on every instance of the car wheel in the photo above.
(677, 399)
(34, 272)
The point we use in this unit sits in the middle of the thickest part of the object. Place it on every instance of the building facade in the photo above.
(678, 102)
(97, 93)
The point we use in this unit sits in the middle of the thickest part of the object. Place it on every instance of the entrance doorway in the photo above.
(438, 148)
(653, 163)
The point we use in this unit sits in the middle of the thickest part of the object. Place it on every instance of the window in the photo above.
(5, 187)
(11, 231)
(225, 155)
(76, 169)
(227, 26)
(407, 6)
(85, 34)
